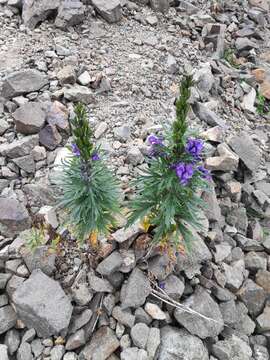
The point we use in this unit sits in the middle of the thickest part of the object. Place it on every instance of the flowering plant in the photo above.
(89, 190)
(167, 199)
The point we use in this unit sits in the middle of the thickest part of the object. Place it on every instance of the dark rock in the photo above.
(50, 137)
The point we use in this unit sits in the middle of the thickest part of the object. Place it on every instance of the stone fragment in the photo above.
(23, 82)
(136, 290)
(207, 115)
(139, 334)
(102, 344)
(24, 352)
(255, 261)
(12, 340)
(227, 161)
(202, 303)
(214, 33)
(263, 320)
(262, 4)
(8, 318)
(123, 317)
(76, 340)
(42, 304)
(253, 296)
(57, 115)
(84, 79)
(4, 126)
(234, 274)
(133, 354)
(233, 348)
(153, 342)
(110, 264)
(247, 151)
(134, 156)
(179, 344)
(263, 280)
(29, 118)
(160, 5)
(14, 217)
(36, 11)
(174, 287)
(67, 75)
(57, 352)
(3, 352)
(78, 93)
(26, 163)
(70, 13)
(49, 137)
(154, 311)
(110, 10)
(244, 44)
(40, 258)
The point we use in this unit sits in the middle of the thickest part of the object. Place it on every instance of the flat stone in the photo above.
(8, 319)
(26, 163)
(234, 274)
(14, 217)
(136, 290)
(23, 82)
(67, 75)
(202, 303)
(99, 285)
(174, 287)
(102, 344)
(42, 304)
(20, 147)
(76, 340)
(77, 93)
(179, 344)
(29, 118)
(247, 151)
(57, 115)
(110, 264)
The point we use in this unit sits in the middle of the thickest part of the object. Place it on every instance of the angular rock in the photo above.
(76, 340)
(227, 161)
(110, 264)
(20, 147)
(202, 303)
(214, 33)
(136, 290)
(3, 352)
(110, 10)
(234, 274)
(36, 11)
(26, 163)
(29, 118)
(160, 5)
(133, 354)
(42, 304)
(99, 285)
(14, 217)
(154, 311)
(3, 280)
(174, 287)
(57, 115)
(263, 280)
(49, 137)
(4, 126)
(233, 348)
(24, 352)
(263, 321)
(153, 342)
(207, 115)
(67, 75)
(70, 13)
(23, 82)
(8, 318)
(77, 93)
(101, 346)
(253, 296)
(123, 317)
(179, 344)
(40, 258)
(247, 151)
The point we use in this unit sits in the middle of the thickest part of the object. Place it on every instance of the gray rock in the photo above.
(3, 300)
(4, 126)
(214, 33)
(39, 259)
(70, 356)
(13, 284)
(29, 118)
(57, 115)
(37, 347)
(57, 352)
(3, 280)
(29, 335)
(174, 287)
(110, 10)
(263, 320)
(12, 340)
(134, 156)
(160, 5)
(123, 317)
(8, 318)
(202, 303)
(36, 11)
(24, 352)
(234, 274)
(20, 147)
(136, 290)
(38, 194)
(139, 334)
(70, 13)
(253, 296)
(26, 163)
(3, 352)
(227, 161)
(99, 285)
(153, 342)
(255, 261)
(247, 151)
(78, 321)
(81, 294)
(110, 264)
(244, 44)
(133, 354)
(42, 304)
(102, 345)
(77, 93)
(179, 344)
(207, 115)
(260, 352)
(76, 340)
(14, 217)
(23, 82)
(49, 137)
(232, 349)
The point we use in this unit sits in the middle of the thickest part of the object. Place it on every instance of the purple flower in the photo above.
(184, 172)
(154, 140)
(95, 157)
(161, 285)
(205, 174)
(75, 150)
(194, 147)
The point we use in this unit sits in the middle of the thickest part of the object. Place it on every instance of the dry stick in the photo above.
(170, 301)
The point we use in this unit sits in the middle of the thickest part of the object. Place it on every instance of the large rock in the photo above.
(36, 11)
(7, 319)
(247, 151)
(70, 13)
(179, 344)
(202, 303)
(103, 343)
(160, 5)
(29, 118)
(23, 82)
(253, 296)
(20, 147)
(110, 10)
(136, 290)
(14, 217)
(42, 304)
(207, 115)
(77, 93)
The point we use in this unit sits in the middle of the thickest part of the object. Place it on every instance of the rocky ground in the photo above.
(124, 60)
